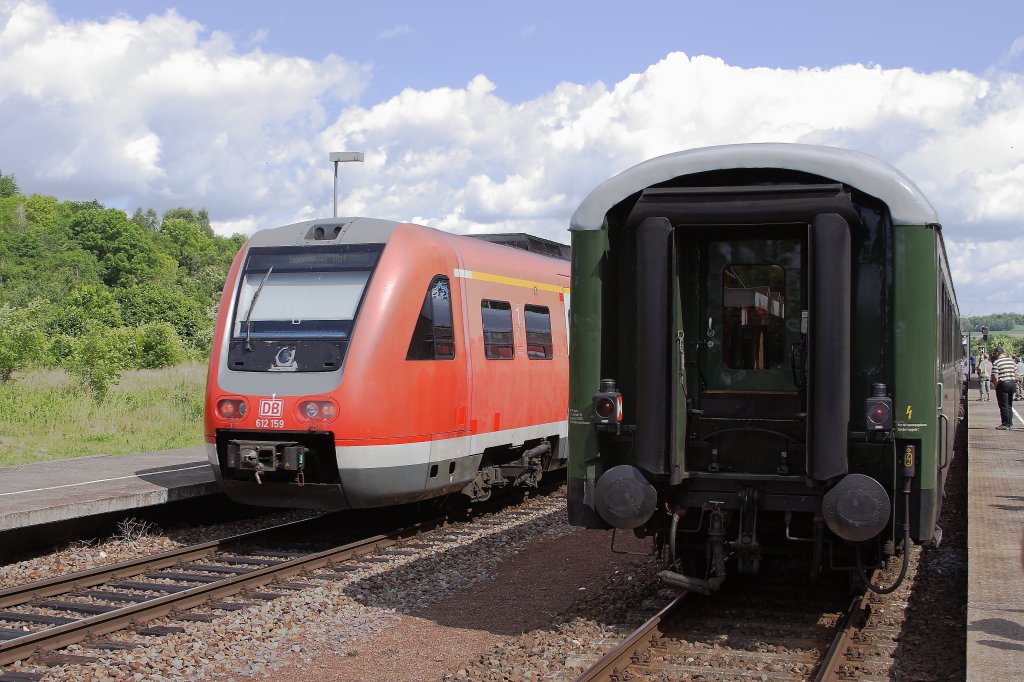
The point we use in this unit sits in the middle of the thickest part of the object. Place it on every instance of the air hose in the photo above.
(878, 589)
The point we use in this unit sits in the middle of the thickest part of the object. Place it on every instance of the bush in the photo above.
(61, 348)
(128, 342)
(143, 304)
(98, 360)
(159, 345)
(22, 342)
(85, 306)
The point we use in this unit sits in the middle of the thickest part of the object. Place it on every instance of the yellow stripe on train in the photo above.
(512, 281)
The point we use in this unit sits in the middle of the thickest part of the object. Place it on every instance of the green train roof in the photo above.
(907, 204)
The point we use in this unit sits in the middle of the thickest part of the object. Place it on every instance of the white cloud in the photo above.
(145, 152)
(468, 161)
(1012, 53)
(395, 32)
(258, 37)
(168, 114)
(159, 110)
(987, 274)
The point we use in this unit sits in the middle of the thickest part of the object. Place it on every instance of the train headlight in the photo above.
(607, 405)
(317, 410)
(878, 410)
(231, 409)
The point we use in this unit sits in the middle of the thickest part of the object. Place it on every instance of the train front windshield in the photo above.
(293, 299)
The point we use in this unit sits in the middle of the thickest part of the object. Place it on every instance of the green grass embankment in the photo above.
(45, 415)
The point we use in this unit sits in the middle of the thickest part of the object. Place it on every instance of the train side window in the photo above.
(753, 316)
(497, 321)
(538, 333)
(433, 337)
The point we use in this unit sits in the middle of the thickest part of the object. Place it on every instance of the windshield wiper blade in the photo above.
(252, 304)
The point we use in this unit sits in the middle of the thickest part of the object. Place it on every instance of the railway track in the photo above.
(230, 574)
(749, 634)
(54, 613)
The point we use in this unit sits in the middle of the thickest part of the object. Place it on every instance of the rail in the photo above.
(846, 631)
(252, 574)
(631, 650)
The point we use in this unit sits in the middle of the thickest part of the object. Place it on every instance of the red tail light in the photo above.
(879, 414)
(317, 410)
(607, 406)
(231, 409)
(604, 407)
(878, 410)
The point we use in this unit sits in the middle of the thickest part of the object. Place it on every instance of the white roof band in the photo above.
(907, 204)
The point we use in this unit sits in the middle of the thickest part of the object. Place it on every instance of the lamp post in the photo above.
(341, 157)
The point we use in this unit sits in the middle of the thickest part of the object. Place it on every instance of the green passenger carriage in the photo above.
(765, 353)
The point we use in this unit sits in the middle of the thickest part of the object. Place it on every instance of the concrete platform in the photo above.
(37, 494)
(995, 588)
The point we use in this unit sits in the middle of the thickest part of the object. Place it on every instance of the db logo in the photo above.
(271, 407)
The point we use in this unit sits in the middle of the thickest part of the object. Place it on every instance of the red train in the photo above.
(360, 362)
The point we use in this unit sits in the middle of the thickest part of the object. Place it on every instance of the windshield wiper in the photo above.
(252, 304)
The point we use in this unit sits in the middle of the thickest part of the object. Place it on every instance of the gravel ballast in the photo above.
(518, 595)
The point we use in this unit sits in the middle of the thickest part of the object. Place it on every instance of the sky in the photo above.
(494, 117)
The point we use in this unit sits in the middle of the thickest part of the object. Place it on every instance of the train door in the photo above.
(751, 336)
(450, 463)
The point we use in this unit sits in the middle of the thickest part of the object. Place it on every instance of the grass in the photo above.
(46, 415)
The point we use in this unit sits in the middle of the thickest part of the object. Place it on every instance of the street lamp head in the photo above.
(341, 157)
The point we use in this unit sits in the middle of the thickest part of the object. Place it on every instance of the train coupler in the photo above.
(261, 457)
(716, 543)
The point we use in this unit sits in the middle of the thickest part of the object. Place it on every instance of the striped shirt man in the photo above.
(1005, 371)
(1004, 368)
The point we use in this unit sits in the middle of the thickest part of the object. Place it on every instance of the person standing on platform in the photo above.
(1020, 376)
(1004, 374)
(984, 372)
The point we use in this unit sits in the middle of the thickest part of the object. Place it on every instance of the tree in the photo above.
(22, 342)
(125, 250)
(190, 244)
(199, 218)
(44, 212)
(998, 322)
(147, 303)
(8, 186)
(148, 220)
(86, 306)
(61, 347)
(97, 360)
(1009, 344)
(87, 270)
